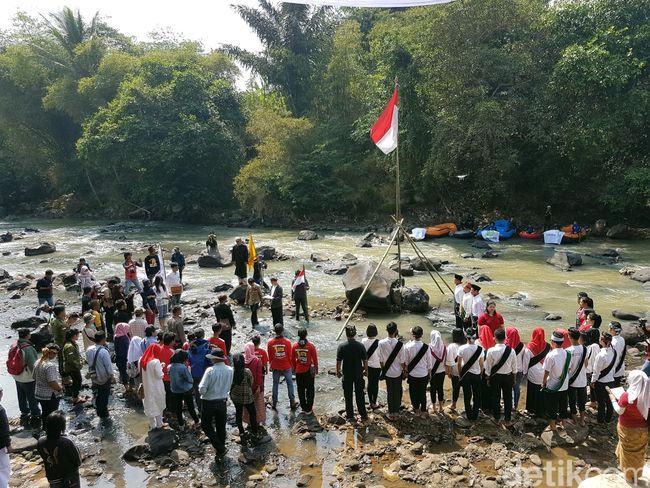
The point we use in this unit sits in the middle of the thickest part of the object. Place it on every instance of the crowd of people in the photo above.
(173, 370)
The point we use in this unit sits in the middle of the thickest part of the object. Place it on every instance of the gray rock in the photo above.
(406, 269)
(490, 255)
(337, 269)
(422, 265)
(642, 275)
(348, 257)
(611, 253)
(43, 248)
(565, 260)
(466, 255)
(630, 333)
(266, 252)
(479, 277)
(364, 244)
(239, 294)
(378, 296)
(29, 323)
(552, 316)
(627, 315)
(307, 235)
(6, 237)
(619, 231)
(68, 278)
(19, 284)
(211, 261)
(222, 287)
(155, 443)
(22, 442)
(414, 299)
(480, 245)
(317, 257)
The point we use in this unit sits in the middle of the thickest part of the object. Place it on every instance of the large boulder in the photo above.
(631, 334)
(642, 275)
(267, 252)
(406, 269)
(68, 278)
(619, 231)
(239, 294)
(4, 275)
(565, 260)
(480, 245)
(626, 315)
(478, 277)
(611, 480)
(6, 237)
(422, 265)
(337, 269)
(318, 257)
(29, 323)
(41, 338)
(378, 296)
(212, 261)
(19, 284)
(414, 299)
(307, 235)
(157, 442)
(44, 248)
(222, 287)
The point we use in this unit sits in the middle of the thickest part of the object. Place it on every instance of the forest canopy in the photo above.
(538, 103)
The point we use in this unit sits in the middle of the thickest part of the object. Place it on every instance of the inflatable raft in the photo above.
(570, 237)
(441, 230)
(531, 235)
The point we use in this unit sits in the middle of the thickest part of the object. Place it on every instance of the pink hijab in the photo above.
(122, 329)
(249, 353)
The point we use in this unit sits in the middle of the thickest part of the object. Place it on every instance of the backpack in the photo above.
(16, 360)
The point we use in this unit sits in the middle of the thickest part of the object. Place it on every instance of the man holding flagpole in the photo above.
(240, 257)
(299, 287)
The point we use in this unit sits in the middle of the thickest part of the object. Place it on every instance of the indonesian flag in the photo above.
(384, 132)
(298, 280)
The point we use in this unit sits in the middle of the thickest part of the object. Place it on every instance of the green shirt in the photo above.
(71, 357)
(58, 328)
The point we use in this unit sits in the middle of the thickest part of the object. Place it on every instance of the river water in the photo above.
(520, 267)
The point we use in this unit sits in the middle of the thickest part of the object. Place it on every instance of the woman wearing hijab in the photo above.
(154, 389)
(567, 341)
(181, 384)
(121, 340)
(132, 361)
(254, 364)
(439, 353)
(241, 394)
(632, 409)
(514, 341)
(486, 341)
(592, 341)
(533, 368)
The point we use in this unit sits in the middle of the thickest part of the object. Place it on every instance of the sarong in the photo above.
(631, 448)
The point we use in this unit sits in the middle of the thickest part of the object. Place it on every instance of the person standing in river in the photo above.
(352, 366)
(175, 285)
(299, 287)
(240, 257)
(276, 302)
(101, 368)
(466, 305)
(178, 258)
(253, 300)
(44, 291)
(304, 361)
(108, 305)
(225, 317)
(280, 349)
(211, 245)
(24, 377)
(458, 299)
(215, 389)
(151, 263)
(131, 272)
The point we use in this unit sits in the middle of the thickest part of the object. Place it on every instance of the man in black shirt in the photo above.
(224, 316)
(352, 365)
(44, 291)
(240, 257)
(152, 264)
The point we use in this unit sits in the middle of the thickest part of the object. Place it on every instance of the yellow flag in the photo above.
(252, 253)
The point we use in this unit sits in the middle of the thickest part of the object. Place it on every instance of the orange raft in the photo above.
(570, 237)
(441, 230)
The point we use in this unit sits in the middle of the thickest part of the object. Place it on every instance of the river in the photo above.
(520, 267)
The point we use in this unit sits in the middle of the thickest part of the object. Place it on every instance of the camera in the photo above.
(643, 327)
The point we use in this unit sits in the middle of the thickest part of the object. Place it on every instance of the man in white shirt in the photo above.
(577, 377)
(478, 307)
(371, 343)
(466, 305)
(451, 364)
(603, 377)
(556, 381)
(500, 370)
(458, 299)
(618, 343)
(392, 370)
(470, 367)
(174, 284)
(419, 363)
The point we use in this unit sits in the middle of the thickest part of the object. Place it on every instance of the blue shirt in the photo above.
(216, 382)
(103, 367)
(180, 379)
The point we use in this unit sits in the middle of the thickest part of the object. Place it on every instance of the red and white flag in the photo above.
(384, 132)
(298, 280)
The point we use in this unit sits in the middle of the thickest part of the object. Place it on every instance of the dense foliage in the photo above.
(537, 103)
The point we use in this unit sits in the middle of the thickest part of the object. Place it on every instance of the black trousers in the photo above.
(306, 390)
(437, 387)
(188, 398)
(592, 391)
(75, 388)
(501, 386)
(226, 336)
(605, 408)
(278, 316)
(358, 385)
(535, 399)
(486, 396)
(455, 388)
(109, 313)
(557, 403)
(103, 392)
(254, 309)
(301, 302)
(213, 421)
(47, 407)
(196, 393)
(394, 390)
(577, 399)
(617, 382)
(252, 416)
(459, 320)
(373, 384)
(418, 391)
(471, 384)
(169, 399)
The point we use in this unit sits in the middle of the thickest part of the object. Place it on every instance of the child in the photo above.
(149, 302)
(176, 326)
(182, 386)
(88, 332)
(190, 337)
(149, 337)
(94, 309)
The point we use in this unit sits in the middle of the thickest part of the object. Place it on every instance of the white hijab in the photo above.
(437, 345)
(135, 349)
(639, 390)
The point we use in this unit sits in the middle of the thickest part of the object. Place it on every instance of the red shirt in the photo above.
(164, 355)
(584, 327)
(262, 355)
(130, 270)
(494, 322)
(221, 344)
(279, 349)
(303, 357)
(631, 418)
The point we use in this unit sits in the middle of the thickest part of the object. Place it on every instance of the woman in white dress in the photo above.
(154, 389)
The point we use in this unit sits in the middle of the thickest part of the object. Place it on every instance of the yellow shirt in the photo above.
(98, 320)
